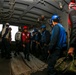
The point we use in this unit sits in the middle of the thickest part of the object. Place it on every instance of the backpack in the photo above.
(66, 65)
(18, 36)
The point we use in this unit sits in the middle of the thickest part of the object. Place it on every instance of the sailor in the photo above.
(5, 52)
(26, 42)
(57, 42)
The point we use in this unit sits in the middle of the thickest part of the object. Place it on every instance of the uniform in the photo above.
(26, 43)
(37, 41)
(6, 36)
(18, 43)
(57, 42)
(72, 25)
(33, 43)
(45, 39)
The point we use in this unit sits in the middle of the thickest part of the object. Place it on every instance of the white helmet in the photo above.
(7, 24)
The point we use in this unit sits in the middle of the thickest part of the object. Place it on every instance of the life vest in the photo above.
(26, 37)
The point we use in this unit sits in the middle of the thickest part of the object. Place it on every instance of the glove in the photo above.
(23, 45)
(71, 51)
(49, 52)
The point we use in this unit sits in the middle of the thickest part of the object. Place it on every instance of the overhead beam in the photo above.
(19, 2)
(11, 9)
(51, 2)
(29, 16)
(26, 19)
(28, 8)
(66, 2)
(21, 22)
(32, 17)
(1, 7)
(39, 14)
(29, 20)
(1, 4)
(45, 9)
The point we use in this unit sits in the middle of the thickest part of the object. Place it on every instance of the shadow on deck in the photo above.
(5, 67)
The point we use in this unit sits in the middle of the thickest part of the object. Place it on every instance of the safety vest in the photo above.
(62, 37)
(25, 37)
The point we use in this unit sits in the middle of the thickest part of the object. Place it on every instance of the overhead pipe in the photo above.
(1, 5)
(12, 3)
(42, 2)
(1, 9)
(66, 2)
(11, 9)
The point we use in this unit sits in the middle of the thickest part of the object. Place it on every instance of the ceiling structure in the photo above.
(22, 12)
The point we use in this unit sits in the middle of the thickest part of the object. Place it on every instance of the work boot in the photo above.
(8, 57)
(15, 55)
(28, 58)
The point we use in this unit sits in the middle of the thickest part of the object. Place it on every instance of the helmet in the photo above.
(54, 18)
(25, 27)
(43, 26)
(73, 1)
(7, 24)
(72, 4)
(35, 30)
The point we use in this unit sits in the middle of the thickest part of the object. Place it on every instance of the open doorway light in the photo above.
(13, 32)
(1, 25)
(31, 1)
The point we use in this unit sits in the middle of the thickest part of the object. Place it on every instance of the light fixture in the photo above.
(42, 2)
(60, 5)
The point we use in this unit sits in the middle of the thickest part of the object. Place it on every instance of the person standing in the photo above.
(26, 42)
(37, 42)
(0, 42)
(33, 43)
(72, 26)
(5, 52)
(45, 40)
(18, 42)
(58, 41)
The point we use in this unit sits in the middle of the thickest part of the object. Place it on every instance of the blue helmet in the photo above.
(43, 26)
(35, 30)
(54, 18)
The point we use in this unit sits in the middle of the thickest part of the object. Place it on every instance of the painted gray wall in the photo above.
(64, 19)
